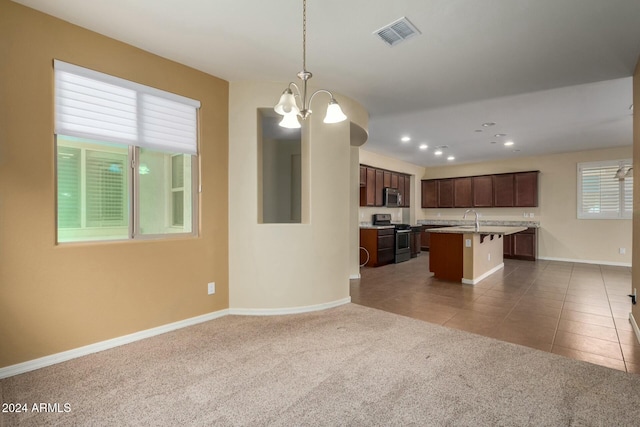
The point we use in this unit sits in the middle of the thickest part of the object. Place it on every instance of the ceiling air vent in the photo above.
(397, 31)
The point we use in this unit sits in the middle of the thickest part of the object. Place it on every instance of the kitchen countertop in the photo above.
(456, 222)
(484, 229)
(376, 227)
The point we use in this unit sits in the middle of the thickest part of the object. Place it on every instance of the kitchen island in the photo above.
(467, 254)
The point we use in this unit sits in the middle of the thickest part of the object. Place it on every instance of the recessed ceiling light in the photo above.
(516, 150)
(487, 124)
(438, 152)
(451, 158)
(493, 142)
(508, 143)
(405, 139)
(500, 135)
(478, 130)
(423, 146)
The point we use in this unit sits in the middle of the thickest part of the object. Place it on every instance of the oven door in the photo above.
(402, 239)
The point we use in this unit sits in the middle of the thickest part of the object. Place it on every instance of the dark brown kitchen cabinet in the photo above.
(406, 201)
(518, 189)
(526, 189)
(414, 240)
(379, 188)
(368, 192)
(425, 236)
(462, 192)
(387, 179)
(482, 191)
(380, 244)
(503, 190)
(445, 193)
(521, 245)
(394, 180)
(429, 193)
(373, 181)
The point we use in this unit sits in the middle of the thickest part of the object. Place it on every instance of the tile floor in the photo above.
(577, 310)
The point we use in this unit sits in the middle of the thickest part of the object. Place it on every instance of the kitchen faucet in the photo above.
(476, 213)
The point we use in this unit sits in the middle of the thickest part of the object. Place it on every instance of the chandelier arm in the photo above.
(297, 91)
(317, 92)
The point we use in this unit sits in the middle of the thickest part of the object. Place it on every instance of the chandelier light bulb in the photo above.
(334, 113)
(290, 121)
(287, 103)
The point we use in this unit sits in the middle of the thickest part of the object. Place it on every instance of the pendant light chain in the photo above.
(288, 106)
(304, 35)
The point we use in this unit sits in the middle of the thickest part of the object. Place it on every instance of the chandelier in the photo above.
(288, 106)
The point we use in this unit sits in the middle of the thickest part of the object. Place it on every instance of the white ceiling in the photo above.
(554, 75)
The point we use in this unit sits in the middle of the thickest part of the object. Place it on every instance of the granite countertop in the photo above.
(484, 229)
(483, 223)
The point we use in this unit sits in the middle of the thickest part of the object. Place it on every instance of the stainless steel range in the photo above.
(402, 236)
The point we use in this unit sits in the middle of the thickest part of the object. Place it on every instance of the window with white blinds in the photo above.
(126, 158)
(602, 194)
(97, 106)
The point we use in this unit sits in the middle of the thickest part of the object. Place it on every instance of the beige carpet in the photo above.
(348, 366)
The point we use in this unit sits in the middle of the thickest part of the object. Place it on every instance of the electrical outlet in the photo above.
(211, 288)
(622, 251)
(531, 215)
(467, 243)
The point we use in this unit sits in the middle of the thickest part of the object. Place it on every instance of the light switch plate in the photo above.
(467, 243)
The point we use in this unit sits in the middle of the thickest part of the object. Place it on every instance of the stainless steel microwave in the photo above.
(392, 198)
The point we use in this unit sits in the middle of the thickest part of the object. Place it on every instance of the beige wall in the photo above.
(55, 298)
(562, 236)
(636, 191)
(290, 266)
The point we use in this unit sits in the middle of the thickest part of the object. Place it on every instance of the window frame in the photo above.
(181, 140)
(623, 211)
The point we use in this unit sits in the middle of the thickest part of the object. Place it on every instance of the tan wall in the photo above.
(56, 298)
(481, 257)
(561, 236)
(290, 266)
(636, 190)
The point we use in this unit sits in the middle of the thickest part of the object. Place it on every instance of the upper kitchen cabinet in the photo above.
(376, 180)
(368, 192)
(462, 195)
(503, 190)
(429, 193)
(445, 193)
(518, 189)
(401, 190)
(482, 191)
(379, 187)
(526, 189)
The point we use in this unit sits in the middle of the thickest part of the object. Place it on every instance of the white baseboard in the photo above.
(291, 310)
(585, 261)
(42, 362)
(634, 325)
(355, 276)
(45, 361)
(483, 276)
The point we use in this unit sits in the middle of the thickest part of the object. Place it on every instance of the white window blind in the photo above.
(101, 107)
(601, 195)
